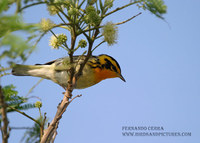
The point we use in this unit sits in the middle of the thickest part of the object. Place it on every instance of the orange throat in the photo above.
(101, 74)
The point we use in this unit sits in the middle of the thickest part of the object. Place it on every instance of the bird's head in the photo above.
(107, 67)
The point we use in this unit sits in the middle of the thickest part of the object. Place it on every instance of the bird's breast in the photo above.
(87, 78)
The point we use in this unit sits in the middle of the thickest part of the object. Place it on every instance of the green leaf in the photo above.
(14, 48)
(12, 99)
(157, 7)
(3, 5)
(13, 23)
(26, 106)
(9, 91)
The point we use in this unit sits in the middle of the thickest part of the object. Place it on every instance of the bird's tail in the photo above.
(43, 71)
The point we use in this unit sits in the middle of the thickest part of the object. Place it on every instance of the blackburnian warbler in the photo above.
(96, 69)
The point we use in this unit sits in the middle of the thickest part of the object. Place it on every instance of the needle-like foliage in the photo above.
(13, 100)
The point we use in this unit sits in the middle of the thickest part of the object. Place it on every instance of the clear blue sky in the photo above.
(161, 64)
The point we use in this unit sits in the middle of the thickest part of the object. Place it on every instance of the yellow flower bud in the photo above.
(82, 43)
(46, 24)
(38, 104)
(52, 10)
(56, 41)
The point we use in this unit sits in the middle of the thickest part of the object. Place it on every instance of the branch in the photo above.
(49, 132)
(62, 25)
(120, 8)
(54, 132)
(75, 97)
(115, 24)
(42, 125)
(60, 10)
(25, 115)
(20, 128)
(98, 45)
(89, 53)
(27, 6)
(90, 29)
(5, 131)
(128, 19)
(2, 69)
(34, 86)
(53, 136)
(37, 41)
(61, 18)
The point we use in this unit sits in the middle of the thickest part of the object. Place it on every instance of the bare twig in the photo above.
(60, 10)
(90, 29)
(20, 128)
(99, 36)
(98, 45)
(32, 88)
(2, 69)
(44, 120)
(35, 97)
(120, 8)
(5, 130)
(42, 125)
(62, 19)
(75, 97)
(24, 114)
(48, 133)
(69, 103)
(62, 25)
(38, 40)
(33, 4)
(128, 19)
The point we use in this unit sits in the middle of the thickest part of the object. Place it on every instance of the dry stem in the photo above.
(23, 113)
(128, 19)
(4, 129)
(49, 132)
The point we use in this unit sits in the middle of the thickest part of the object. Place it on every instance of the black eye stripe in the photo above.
(114, 68)
(109, 65)
(117, 64)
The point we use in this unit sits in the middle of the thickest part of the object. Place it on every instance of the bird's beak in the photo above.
(122, 78)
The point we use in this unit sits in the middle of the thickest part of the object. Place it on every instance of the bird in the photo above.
(96, 69)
